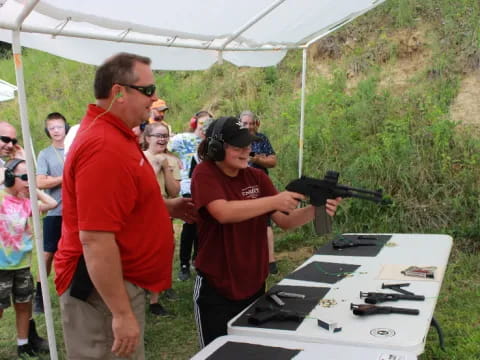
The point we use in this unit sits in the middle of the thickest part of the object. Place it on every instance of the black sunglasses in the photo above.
(148, 90)
(7, 139)
(23, 177)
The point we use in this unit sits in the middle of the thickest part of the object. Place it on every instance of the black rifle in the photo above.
(364, 310)
(376, 297)
(264, 314)
(319, 190)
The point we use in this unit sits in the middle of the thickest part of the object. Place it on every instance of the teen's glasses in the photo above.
(148, 90)
(56, 127)
(7, 139)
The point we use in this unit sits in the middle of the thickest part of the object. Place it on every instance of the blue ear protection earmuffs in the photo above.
(215, 149)
(9, 175)
(53, 116)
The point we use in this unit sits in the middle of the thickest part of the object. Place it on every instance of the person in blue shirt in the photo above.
(185, 145)
(262, 157)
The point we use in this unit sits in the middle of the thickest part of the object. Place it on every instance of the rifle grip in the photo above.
(322, 221)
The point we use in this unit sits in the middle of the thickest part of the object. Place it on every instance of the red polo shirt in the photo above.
(109, 185)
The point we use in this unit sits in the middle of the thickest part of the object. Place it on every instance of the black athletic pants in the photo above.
(213, 311)
(188, 240)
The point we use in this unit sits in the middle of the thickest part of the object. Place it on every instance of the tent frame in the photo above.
(126, 37)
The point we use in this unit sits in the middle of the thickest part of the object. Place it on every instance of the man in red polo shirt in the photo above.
(115, 223)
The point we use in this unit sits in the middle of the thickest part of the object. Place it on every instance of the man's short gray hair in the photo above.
(247, 113)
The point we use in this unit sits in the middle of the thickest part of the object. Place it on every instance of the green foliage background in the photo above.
(402, 141)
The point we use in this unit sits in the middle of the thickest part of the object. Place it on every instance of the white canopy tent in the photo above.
(178, 35)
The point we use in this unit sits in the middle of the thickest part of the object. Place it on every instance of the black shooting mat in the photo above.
(301, 306)
(241, 351)
(371, 251)
(324, 272)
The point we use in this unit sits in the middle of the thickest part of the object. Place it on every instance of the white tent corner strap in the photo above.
(7, 91)
(189, 35)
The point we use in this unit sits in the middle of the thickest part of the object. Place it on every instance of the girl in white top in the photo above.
(167, 169)
(165, 164)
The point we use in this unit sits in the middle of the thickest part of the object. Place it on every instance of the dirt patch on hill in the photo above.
(466, 108)
(397, 75)
(412, 55)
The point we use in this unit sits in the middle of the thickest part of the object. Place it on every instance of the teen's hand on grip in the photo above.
(287, 201)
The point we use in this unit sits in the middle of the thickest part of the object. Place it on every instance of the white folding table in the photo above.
(309, 351)
(390, 331)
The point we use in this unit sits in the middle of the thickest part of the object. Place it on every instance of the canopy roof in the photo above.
(177, 35)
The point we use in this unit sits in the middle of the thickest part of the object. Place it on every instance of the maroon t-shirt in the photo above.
(232, 257)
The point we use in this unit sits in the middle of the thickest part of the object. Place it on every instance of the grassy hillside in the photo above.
(380, 94)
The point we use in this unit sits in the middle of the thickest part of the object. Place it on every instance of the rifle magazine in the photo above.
(322, 221)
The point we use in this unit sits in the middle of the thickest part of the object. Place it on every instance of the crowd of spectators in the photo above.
(113, 184)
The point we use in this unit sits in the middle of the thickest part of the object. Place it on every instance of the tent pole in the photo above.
(302, 112)
(32, 183)
(34, 156)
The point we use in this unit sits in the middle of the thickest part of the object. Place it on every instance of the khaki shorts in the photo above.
(15, 284)
(87, 325)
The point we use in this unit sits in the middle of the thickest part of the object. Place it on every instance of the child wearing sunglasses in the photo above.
(16, 245)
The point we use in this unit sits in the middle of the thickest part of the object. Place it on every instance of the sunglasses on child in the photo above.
(23, 177)
(159, 136)
(148, 90)
(7, 139)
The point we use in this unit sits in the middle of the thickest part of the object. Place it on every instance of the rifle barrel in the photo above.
(376, 198)
(364, 191)
(405, 311)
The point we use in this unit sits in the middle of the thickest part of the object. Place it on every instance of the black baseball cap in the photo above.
(232, 132)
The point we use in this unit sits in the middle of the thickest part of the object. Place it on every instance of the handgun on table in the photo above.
(264, 314)
(364, 310)
(376, 297)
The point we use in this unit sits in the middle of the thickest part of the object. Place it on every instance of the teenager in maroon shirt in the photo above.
(234, 202)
